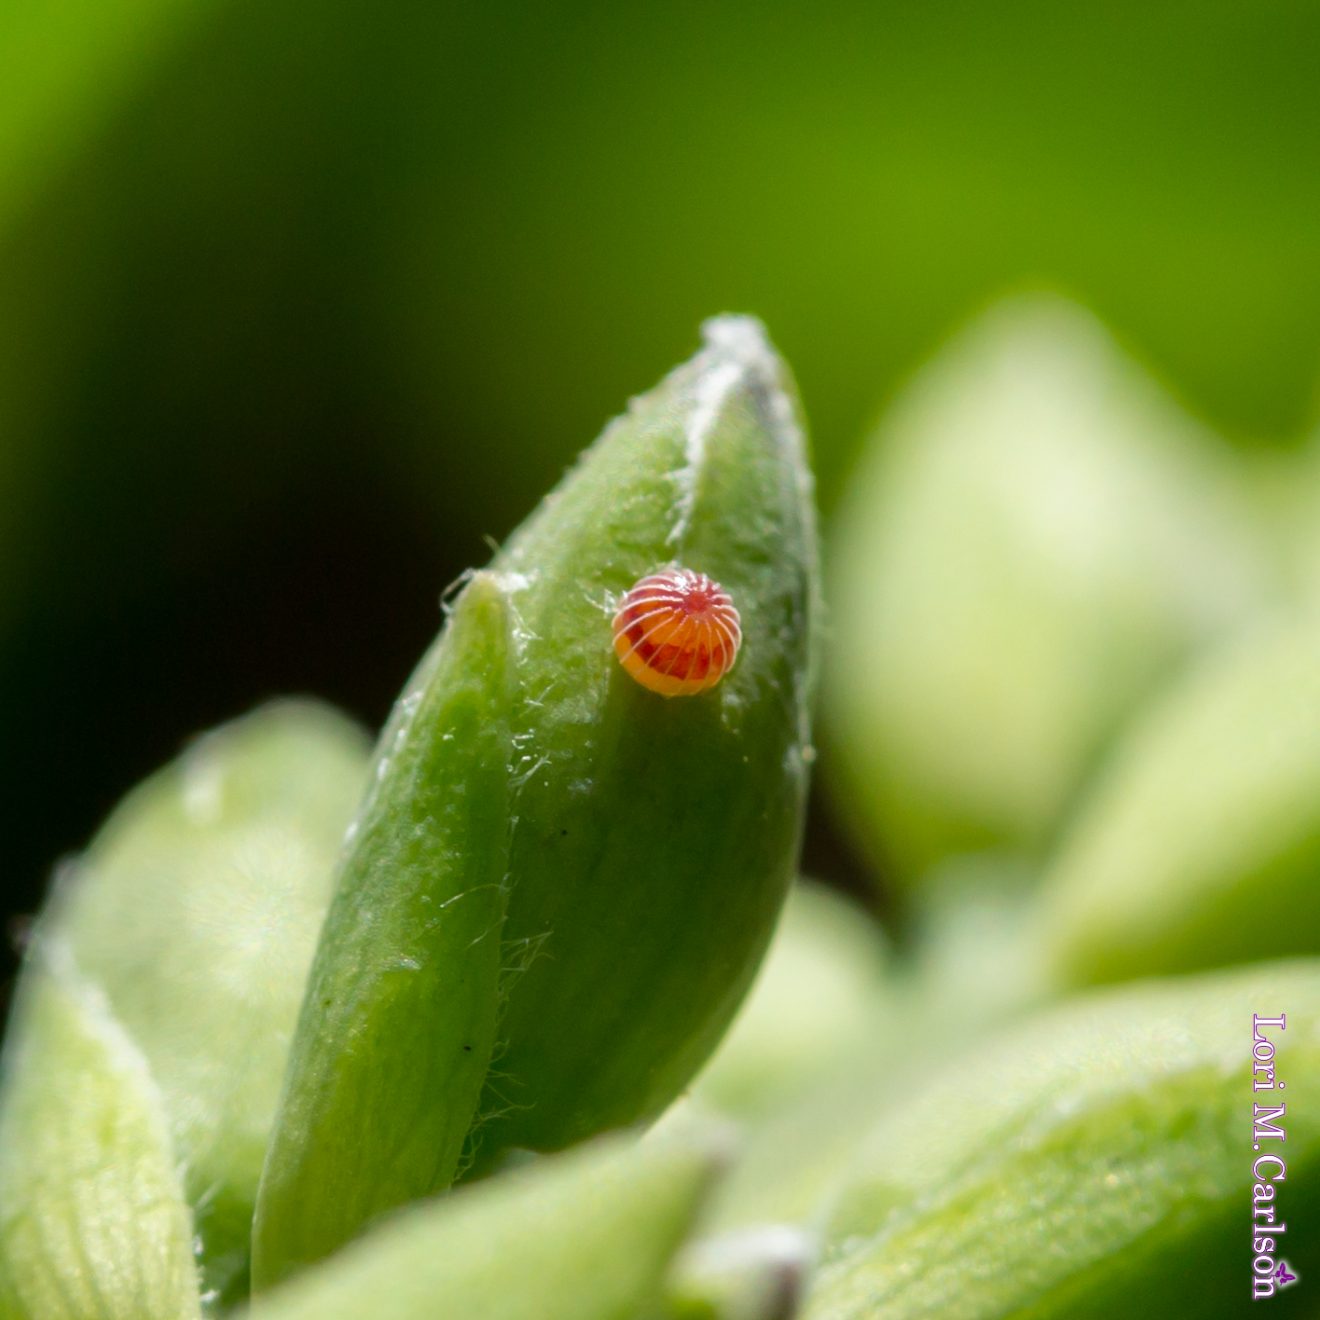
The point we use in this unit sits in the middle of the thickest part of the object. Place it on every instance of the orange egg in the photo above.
(677, 632)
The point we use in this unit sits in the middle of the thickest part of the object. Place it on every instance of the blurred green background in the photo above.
(299, 304)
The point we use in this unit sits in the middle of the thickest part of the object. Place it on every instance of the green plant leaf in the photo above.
(792, 1161)
(975, 969)
(1095, 1162)
(653, 838)
(1201, 844)
(396, 1032)
(196, 910)
(581, 1236)
(1035, 536)
(93, 1222)
(1289, 489)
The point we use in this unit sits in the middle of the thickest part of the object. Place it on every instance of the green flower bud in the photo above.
(562, 883)
(653, 839)
(554, 868)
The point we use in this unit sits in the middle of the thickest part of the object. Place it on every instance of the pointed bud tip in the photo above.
(740, 338)
(738, 348)
(740, 345)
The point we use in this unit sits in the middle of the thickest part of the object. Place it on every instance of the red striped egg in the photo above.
(677, 632)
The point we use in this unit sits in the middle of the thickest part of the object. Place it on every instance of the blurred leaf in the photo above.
(1287, 487)
(653, 838)
(818, 1004)
(973, 967)
(815, 1000)
(977, 959)
(793, 1160)
(397, 1028)
(1034, 537)
(196, 910)
(1092, 1164)
(93, 1224)
(68, 63)
(1201, 844)
(582, 1236)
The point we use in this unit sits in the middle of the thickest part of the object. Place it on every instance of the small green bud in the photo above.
(653, 838)
(562, 883)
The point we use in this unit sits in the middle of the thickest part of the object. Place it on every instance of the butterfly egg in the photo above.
(677, 632)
